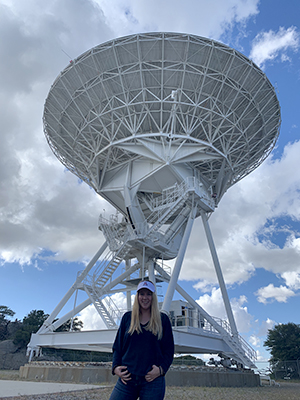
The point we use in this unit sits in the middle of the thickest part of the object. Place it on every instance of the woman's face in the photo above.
(145, 299)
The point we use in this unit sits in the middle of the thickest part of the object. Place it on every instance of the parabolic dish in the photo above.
(172, 97)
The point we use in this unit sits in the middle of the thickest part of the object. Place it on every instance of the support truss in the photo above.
(103, 277)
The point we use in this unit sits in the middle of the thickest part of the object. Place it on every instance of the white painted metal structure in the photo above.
(160, 125)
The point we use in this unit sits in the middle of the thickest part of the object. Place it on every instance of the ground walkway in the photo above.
(17, 388)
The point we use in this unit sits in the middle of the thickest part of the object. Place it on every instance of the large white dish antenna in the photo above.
(172, 105)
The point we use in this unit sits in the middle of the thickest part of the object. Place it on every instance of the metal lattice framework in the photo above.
(201, 101)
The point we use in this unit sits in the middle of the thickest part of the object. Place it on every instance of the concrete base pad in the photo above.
(176, 376)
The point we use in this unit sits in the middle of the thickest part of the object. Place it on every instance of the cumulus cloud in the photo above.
(259, 331)
(214, 305)
(266, 326)
(258, 336)
(269, 45)
(271, 293)
(245, 224)
(240, 312)
(41, 206)
(255, 341)
(292, 279)
(91, 318)
(210, 19)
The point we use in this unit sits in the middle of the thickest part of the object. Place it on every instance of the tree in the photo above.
(35, 319)
(76, 325)
(21, 338)
(283, 341)
(188, 360)
(30, 324)
(5, 311)
(4, 322)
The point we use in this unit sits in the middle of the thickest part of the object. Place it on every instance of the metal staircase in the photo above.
(110, 267)
(160, 218)
(242, 350)
(121, 237)
(93, 283)
(101, 308)
(239, 346)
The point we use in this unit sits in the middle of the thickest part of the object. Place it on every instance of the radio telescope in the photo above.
(160, 125)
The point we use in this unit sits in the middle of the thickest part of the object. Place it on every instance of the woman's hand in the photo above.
(123, 373)
(153, 374)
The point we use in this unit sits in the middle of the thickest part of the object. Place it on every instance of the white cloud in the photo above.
(241, 315)
(245, 224)
(255, 341)
(265, 326)
(262, 361)
(214, 305)
(257, 338)
(271, 293)
(91, 318)
(292, 279)
(204, 286)
(210, 19)
(37, 196)
(269, 45)
(41, 206)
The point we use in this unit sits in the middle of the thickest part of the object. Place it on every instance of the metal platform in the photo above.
(187, 340)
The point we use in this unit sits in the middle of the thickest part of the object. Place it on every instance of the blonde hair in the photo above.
(154, 325)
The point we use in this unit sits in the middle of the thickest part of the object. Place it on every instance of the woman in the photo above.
(143, 349)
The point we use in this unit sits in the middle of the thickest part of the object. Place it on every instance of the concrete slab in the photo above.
(176, 376)
(18, 388)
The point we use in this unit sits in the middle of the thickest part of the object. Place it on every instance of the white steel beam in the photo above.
(219, 274)
(102, 340)
(176, 271)
(70, 292)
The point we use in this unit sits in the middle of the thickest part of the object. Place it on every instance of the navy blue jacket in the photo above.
(139, 351)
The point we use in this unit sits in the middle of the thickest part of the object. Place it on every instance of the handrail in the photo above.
(202, 323)
(113, 309)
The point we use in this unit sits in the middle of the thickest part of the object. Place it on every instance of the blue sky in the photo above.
(48, 220)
